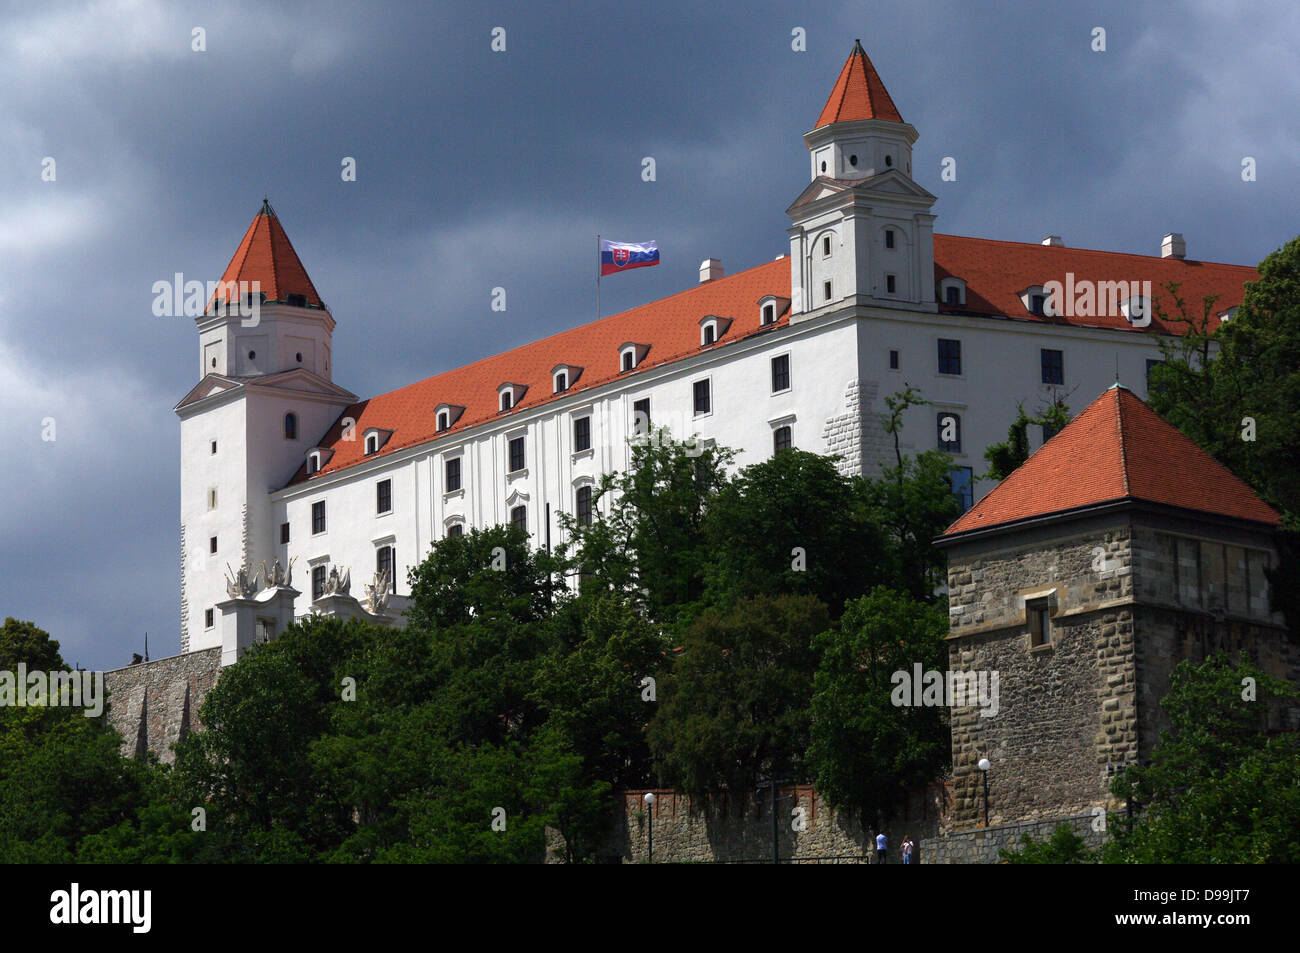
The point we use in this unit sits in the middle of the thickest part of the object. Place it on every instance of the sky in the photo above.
(478, 169)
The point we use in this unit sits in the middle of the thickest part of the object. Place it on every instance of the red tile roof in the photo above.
(266, 255)
(1118, 448)
(859, 93)
(996, 271)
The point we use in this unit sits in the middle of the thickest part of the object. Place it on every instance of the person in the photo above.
(882, 847)
(907, 848)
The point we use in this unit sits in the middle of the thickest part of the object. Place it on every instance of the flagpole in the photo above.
(597, 276)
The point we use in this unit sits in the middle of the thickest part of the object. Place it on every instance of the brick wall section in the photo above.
(983, 846)
(858, 435)
(733, 830)
(154, 704)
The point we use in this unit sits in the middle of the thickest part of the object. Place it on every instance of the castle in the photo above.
(293, 490)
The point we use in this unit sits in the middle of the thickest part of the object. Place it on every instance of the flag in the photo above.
(623, 256)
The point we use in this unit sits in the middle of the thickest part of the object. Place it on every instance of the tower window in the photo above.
(826, 247)
(519, 517)
(703, 402)
(853, 161)
(384, 496)
(284, 534)
(1053, 362)
(252, 355)
(1039, 617)
(949, 356)
(516, 455)
(214, 446)
(290, 426)
(212, 544)
(298, 357)
(826, 290)
(949, 432)
(584, 506)
(780, 373)
(891, 284)
(451, 473)
(780, 439)
(889, 238)
(893, 360)
(212, 498)
(207, 618)
(317, 582)
(318, 517)
(296, 301)
(582, 433)
(889, 160)
(823, 166)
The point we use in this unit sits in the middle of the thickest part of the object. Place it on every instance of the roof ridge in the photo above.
(1093, 251)
(1119, 428)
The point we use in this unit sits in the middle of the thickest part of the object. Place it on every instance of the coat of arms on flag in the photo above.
(622, 256)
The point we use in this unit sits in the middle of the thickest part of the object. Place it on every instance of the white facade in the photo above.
(864, 324)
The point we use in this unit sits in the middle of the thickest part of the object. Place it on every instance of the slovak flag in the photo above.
(623, 256)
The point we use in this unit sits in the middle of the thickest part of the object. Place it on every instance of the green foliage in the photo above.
(1063, 847)
(865, 751)
(735, 708)
(1006, 456)
(913, 503)
(24, 642)
(1218, 788)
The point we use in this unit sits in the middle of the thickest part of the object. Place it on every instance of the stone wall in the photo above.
(982, 846)
(155, 704)
(719, 829)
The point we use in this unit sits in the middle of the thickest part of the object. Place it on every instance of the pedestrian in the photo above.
(907, 848)
(882, 847)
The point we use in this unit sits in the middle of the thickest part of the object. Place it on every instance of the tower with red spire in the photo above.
(862, 231)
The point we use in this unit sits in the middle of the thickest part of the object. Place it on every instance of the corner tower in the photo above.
(862, 230)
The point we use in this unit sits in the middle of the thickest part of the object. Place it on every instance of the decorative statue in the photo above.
(338, 584)
(240, 585)
(277, 575)
(377, 593)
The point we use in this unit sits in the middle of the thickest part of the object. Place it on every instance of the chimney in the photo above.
(1173, 246)
(710, 270)
(1054, 240)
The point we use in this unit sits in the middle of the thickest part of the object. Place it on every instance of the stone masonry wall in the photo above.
(155, 704)
(982, 846)
(857, 435)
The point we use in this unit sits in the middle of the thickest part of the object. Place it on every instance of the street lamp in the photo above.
(650, 828)
(984, 773)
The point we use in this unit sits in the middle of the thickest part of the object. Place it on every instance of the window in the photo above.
(214, 446)
(519, 517)
(1039, 617)
(826, 290)
(780, 373)
(889, 238)
(584, 506)
(318, 517)
(384, 496)
(317, 582)
(702, 397)
(451, 473)
(893, 360)
(296, 301)
(769, 313)
(889, 161)
(949, 432)
(582, 433)
(952, 295)
(313, 463)
(507, 399)
(561, 382)
(1037, 303)
(1151, 364)
(949, 356)
(780, 439)
(252, 355)
(384, 563)
(1053, 366)
(628, 358)
(516, 455)
(284, 534)
(212, 544)
(826, 246)
(455, 529)
(207, 618)
(298, 357)
(641, 417)
(442, 421)
(212, 498)
(372, 443)
(290, 426)
(708, 336)
(960, 479)
(891, 284)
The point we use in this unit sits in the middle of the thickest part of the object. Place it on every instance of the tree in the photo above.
(735, 708)
(1005, 457)
(1219, 788)
(866, 752)
(914, 503)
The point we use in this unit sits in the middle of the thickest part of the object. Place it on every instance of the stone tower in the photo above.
(1115, 551)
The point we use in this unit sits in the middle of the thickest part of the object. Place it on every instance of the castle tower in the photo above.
(263, 398)
(862, 230)
(1116, 550)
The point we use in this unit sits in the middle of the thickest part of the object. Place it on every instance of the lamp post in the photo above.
(650, 827)
(984, 773)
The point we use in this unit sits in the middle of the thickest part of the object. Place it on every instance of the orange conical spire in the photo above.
(859, 93)
(266, 255)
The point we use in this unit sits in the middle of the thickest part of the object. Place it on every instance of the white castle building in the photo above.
(279, 464)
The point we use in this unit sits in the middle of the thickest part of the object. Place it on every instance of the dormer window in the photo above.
(375, 438)
(770, 308)
(631, 354)
(1226, 316)
(442, 421)
(769, 314)
(445, 415)
(561, 382)
(1137, 311)
(1037, 301)
(712, 327)
(564, 376)
(509, 395)
(313, 463)
(372, 444)
(317, 457)
(952, 291)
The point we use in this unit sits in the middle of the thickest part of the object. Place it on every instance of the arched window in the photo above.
(290, 426)
(584, 505)
(780, 439)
